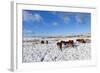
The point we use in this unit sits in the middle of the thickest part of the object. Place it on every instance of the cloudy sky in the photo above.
(52, 23)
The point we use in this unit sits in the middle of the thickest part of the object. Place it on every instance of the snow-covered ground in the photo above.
(50, 52)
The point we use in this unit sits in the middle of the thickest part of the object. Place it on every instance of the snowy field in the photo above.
(37, 52)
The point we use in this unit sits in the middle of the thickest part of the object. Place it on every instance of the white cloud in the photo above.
(27, 31)
(35, 17)
(54, 23)
(26, 16)
(79, 18)
(66, 19)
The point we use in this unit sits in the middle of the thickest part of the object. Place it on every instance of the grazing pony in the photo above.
(80, 40)
(69, 43)
(59, 44)
(42, 42)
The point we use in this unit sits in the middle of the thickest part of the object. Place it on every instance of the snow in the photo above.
(50, 52)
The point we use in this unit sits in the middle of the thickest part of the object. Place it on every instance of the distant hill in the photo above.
(43, 37)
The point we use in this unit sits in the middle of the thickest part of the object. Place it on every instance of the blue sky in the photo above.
(54, 23)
